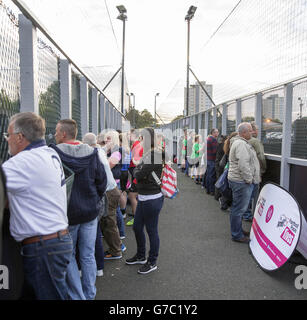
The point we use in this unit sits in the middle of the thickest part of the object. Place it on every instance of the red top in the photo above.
(136, 152)
(74, 143)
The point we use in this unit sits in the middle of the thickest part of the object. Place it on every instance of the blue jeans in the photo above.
(204, 180)
(119, 218)
(241, 194)
(211, 176)
(85, 235)
(187, 166)
(45, 267)
(120, 222)
(99, 252)
(249, 214)
(147, 214)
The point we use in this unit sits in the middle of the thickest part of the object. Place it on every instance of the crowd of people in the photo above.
(61, 228)
(242, 155)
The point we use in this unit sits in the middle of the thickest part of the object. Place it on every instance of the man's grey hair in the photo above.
(243, 127)
(100, 137)
(30, 124)
(90, 139)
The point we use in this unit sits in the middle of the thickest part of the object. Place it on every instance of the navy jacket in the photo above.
(90, 181)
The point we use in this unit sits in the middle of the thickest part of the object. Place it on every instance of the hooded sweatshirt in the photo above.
(89, 183)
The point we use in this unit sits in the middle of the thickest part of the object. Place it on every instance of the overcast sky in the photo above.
(156, 35)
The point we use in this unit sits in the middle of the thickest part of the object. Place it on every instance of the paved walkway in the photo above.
(197, 259)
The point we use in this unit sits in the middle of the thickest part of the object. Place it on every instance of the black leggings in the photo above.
(123, 180)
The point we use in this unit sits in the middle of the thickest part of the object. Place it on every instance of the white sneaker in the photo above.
(99, 273)
(122, 237)
(123, 247)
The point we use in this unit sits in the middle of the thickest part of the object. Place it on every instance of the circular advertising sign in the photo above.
(276, 227)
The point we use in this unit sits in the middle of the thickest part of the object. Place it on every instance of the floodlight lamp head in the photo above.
(190, 13)
(121, 9)
(122, 17)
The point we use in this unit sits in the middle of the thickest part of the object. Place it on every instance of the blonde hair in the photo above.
(114, 135)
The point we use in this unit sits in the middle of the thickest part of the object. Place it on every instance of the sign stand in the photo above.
(279, 227)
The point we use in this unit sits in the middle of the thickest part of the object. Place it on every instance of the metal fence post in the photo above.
(214, 122)
(238, 112)
(107, 114)
(258, 113)
(94, 110)
(224, 119)
(199, 122)
(112, 118)
(102, 108)
(65, 88)
(286, 137)
(84, 106)
(207, 121)
(28, 66)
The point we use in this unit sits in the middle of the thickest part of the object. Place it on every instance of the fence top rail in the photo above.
(247, 96)
(36, 22)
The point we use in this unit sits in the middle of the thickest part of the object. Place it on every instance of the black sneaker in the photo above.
(242, 240)
(136, 260)
(147, 267)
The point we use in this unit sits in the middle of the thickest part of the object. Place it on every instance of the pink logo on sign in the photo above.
(288, 236)
(269, 214)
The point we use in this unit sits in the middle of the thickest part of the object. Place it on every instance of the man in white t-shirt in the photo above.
(38, 206)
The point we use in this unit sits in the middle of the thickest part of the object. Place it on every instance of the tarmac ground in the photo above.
(197, 259)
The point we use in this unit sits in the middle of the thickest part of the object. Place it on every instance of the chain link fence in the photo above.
(48, 77)
(9, 73)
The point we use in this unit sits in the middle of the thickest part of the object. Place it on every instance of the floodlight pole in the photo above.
(133, 116)
(123, 67)
(188, 69)
(123, 17)
(133, 107)
(188, 18)
(155, 109)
